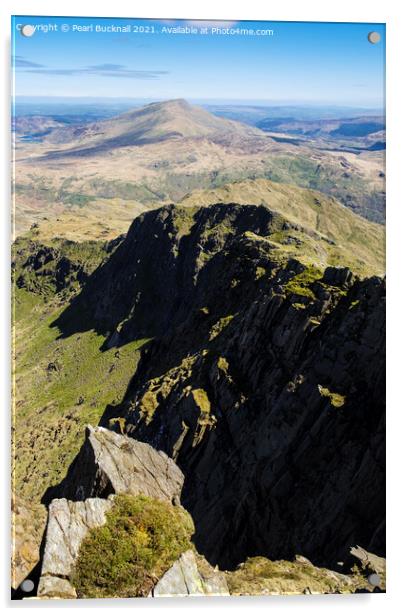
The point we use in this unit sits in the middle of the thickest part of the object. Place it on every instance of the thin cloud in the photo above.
(21, 62)
(107, 67)
(102, 70)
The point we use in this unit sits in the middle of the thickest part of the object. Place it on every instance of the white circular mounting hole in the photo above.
(374, 579)
(27, 586)
(27, 30)
(374, 37)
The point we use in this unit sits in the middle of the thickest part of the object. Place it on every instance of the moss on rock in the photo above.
(201, 399)
(261, 576)
(336, 399)
(300, 284)
(219, 326)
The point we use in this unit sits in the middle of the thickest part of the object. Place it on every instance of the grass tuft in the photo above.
(140, 541)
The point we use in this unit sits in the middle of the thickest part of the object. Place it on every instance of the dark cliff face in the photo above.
(264, 380)
(152, 282)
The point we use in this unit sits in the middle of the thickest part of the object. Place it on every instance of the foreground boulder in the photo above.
(191, 575)
(111, 463)
(68, 524)
(368, 563)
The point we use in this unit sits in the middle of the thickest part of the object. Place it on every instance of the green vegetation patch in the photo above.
(60, 265)
(220, 326)
(149, 403)
(260, 575)
(183, 218)
(60, 385)
(140, 541)
(223, 364)
(300, 284)
(201, 399)
(353, 304)
(260, 272)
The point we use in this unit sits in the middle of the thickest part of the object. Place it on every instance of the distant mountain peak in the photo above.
(175, 102)
(160, 121)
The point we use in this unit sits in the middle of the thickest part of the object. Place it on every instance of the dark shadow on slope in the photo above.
(133, 139)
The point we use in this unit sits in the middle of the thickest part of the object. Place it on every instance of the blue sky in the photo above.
(301, 63)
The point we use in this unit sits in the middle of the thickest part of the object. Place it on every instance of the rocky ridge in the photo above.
(267, 369)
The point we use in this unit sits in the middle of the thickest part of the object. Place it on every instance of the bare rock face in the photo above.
(191, 575)
(111, 463)
(53, 587)
(68, 524)
(28, 525)
(368, 562)
(280, 390)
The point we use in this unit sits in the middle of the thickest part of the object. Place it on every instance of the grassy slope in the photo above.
(48, 419)
(99, 218)
(358, 243)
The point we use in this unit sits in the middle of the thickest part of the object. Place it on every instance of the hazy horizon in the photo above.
(26, 99)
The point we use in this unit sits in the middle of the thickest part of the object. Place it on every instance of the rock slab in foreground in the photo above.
(191, 576)
(68, 524)
(368, 562)
(111, 463)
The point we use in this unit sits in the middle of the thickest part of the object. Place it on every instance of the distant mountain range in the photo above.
(158, 153)
(345, 127)
(179, 118)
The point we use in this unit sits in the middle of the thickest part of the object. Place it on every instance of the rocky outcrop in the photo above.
(61, 268)
(68, 524)
(151, 281)
(293, 428)
(261, 576)
(28, 525)
(191, 575)
(368, 562)
(111, 463)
